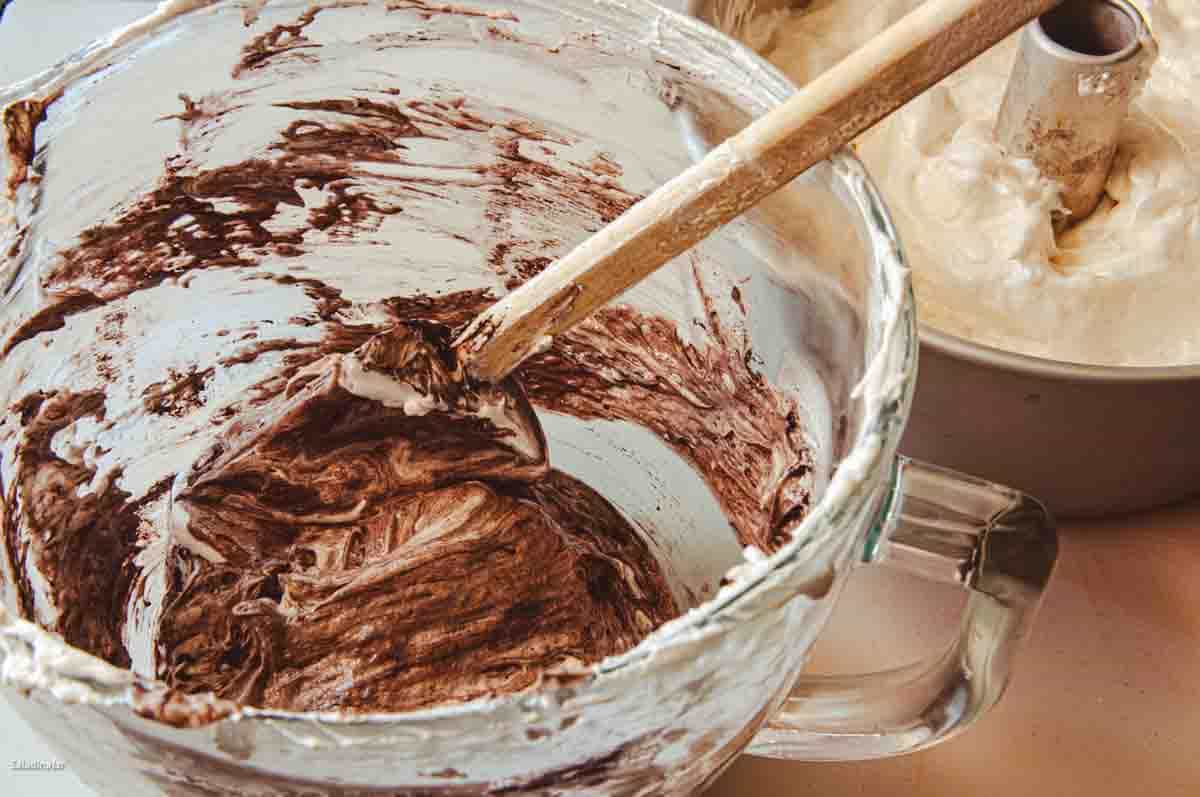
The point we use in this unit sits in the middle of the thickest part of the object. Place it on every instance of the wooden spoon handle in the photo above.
(905, 60)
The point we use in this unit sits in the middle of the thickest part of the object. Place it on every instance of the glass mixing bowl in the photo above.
(143, 160)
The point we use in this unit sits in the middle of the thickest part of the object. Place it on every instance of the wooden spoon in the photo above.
(905, 60)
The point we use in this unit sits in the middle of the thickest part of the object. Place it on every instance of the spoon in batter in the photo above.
(918, 51)
(914, 54)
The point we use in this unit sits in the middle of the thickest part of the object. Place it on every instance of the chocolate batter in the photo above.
(354, 527)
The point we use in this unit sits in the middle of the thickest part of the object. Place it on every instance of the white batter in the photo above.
(1122, 288)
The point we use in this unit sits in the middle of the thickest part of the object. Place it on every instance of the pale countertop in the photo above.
(1106, 697)
(1105, 700)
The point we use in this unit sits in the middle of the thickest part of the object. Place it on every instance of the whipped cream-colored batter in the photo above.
(1119, 288)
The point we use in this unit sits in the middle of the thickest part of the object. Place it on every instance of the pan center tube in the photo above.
(1077, 70)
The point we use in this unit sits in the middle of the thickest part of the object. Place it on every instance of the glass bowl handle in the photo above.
(998, 544)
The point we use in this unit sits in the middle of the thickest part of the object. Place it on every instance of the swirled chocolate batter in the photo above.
(235, 456)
